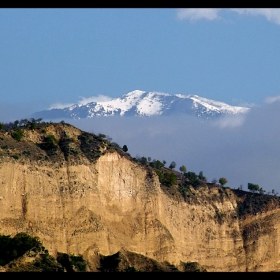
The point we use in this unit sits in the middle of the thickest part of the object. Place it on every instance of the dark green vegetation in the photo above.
(24, 253)
(52, 143)
(125, 149)
(255, 203)
(222, 181)
(25, 246)
(72, 263)
(188, 185)
(17, 134)
(12, 248)
(193, 267)
(126, 261)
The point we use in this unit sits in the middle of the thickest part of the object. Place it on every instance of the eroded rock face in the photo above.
(102, 207)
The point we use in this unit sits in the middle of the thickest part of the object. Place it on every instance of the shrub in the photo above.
(26, 153)
(156, 164)
(50, 142)
(71, 262)
(110, 263)
(12, 248)
(15, 156)
(192, 177)
(17, 134)
(78, 262)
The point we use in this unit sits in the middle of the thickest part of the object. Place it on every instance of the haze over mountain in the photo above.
(144, 103)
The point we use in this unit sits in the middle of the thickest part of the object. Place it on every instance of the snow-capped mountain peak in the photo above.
(144, 103)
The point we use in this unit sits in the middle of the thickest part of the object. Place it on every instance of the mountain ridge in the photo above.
(145, 104)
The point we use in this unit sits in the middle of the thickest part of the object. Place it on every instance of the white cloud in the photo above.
(60, 105)
(99, 98)
(272, 99)
(271, 14)
(198, 13)
(242, 103)
(83, 101)
(230, 121)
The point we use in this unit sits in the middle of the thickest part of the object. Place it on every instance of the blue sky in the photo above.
(75, 55)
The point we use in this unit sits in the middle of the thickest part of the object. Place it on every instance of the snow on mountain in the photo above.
(144, 103)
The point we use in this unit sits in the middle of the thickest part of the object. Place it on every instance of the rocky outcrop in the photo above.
(100, 206)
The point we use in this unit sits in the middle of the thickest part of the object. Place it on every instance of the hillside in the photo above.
(82, 195)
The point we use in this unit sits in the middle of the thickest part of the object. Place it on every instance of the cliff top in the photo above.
(53, 142)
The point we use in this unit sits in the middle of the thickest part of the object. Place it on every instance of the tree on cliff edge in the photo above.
(183, 169)
(222, 181)
(172, 165)
(125, 149)
(253, 187)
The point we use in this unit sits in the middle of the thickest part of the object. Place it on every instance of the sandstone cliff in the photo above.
(83, 196)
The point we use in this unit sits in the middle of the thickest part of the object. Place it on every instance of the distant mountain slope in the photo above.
(143, 103)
